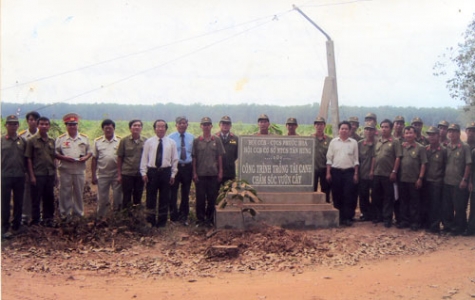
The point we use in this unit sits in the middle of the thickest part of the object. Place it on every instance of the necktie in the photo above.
(158, 158)
(182, 148)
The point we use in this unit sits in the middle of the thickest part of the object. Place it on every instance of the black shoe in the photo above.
(414, 227)
(388, 224)
(364, 219)
(468, 233)
(402, 225)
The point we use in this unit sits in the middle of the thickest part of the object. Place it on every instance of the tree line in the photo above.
(244, 113)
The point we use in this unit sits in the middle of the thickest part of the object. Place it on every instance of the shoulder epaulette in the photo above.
(22, 132)
(84, 135)
(98, 138)
(64, 134)
(118, 137)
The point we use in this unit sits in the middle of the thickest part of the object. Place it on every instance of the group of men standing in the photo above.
(398, 173)
(32, 160)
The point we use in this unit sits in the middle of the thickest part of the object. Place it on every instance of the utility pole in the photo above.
(330, 91)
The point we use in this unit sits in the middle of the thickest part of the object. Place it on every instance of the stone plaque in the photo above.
(277, 163)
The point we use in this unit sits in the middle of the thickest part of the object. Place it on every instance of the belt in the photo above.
(160, 169)
(184, 164)
(344, 170)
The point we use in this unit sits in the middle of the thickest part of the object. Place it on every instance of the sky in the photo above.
(223, 51)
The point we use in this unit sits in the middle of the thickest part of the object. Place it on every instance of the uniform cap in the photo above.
(371, 116)
(432, 129)
(399, 119)
(455, 127)
(12, 119)
(416, 120)
(319, 120)
(353, 119)
(181, 118)
(71, 118)
(205, 120)
(443, 123)
(291, 121)
(369, 125)
(225, 119)
(470, 125)
(262, 117)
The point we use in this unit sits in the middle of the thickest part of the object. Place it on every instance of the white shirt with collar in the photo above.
(343, 154)
(169, 156)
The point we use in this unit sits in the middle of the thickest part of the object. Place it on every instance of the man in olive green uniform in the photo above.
(399, 124)
(355, 124)
(291, 126)
(230, 142)
(366, 153)
(443, 126)
(418, 124)
(470, 131)
(457, 173)
(13, 175)
(129, 154)
(207, 154)
(413, 166)
(31, 119)
(263, 123)
(322, 141)
(471, 219)
(72, 151)
(385, 166)
(104, 169)
(40, 152)
(434, 179)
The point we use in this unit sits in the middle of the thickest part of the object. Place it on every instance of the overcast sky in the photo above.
(223, 51)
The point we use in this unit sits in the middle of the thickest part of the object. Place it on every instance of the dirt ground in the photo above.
(114, 262)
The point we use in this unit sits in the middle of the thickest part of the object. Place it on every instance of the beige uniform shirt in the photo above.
(75, 148)
(105, 152)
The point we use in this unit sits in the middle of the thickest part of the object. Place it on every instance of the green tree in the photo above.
(461, 83)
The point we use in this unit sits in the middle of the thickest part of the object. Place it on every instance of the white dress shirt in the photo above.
(343, 154)
(169, 156)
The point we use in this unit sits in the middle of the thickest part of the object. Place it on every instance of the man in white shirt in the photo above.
(158, 168)
(342, 172)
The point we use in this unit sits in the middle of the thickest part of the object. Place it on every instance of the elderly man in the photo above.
(104, 169)
(230, 142)
(158, 167)
(208, 151)
(342, 172)
(72, 151)
(184, 143)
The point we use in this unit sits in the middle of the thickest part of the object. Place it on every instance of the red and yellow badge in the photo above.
(66, 144)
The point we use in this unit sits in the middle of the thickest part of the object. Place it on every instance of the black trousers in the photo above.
(17, 186)
(432, 199)
(320, 175)
(471, 218)
(343, 192)
(132, 188)
(454, 208)
(409, 207)
(158, 183)
(383, 199)
(183, 178)
(206, 195)
(43, 191)
(365, 188)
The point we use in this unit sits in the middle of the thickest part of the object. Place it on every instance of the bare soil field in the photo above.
(366, 261)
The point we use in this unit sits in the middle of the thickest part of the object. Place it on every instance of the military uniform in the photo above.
(206, 153)
(365, 155)
(413, 160)
(230, 143)
(471, 218)
(354, 135)
(385, 154)
(420, 138)
(455, 199)
(444, 141)
(72, 174)
(42, 154)
(320, 157)
(434, 182)
(13, 177)
(130, 151)
(105, 153)
(27, 204)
